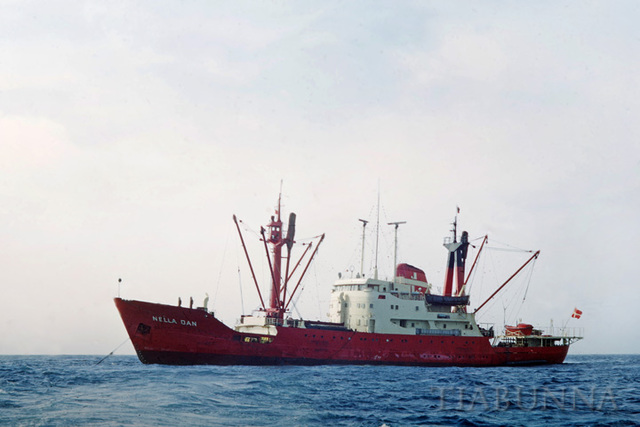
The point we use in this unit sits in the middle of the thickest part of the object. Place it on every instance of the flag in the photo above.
(576, 313)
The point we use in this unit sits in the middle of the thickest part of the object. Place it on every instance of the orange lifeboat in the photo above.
(521, 330)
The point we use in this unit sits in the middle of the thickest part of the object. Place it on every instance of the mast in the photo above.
(291, 231)
(451, 246)
(457, 259)
(364, 224)
(395, 244)
(375, 269)
(276, 240)
(461, 258)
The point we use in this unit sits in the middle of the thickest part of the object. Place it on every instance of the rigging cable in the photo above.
(224, 254)
(529, 277)
(509, 299)
(514, 248)
(315, 274)
(240, 282)
(524, 282)
(240, 285)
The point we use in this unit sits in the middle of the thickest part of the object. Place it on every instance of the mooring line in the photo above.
(114, 350)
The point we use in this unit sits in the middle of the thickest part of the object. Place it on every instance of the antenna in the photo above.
(455, 225)
(395, 244)
(364, 224)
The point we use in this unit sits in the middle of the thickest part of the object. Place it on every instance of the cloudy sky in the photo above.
(131, 132)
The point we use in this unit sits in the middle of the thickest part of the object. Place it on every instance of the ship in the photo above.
(371, 321)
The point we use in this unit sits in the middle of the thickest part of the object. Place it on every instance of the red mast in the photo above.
(280, 297)
(277, 241)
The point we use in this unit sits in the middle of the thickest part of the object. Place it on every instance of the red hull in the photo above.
(181, 336)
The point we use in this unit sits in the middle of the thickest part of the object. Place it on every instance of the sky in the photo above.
(131, 132)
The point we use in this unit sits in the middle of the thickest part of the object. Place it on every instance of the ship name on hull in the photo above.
(183, 322)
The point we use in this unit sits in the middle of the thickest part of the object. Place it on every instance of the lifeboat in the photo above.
(520, 330)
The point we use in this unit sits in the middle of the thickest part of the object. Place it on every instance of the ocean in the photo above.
(75, 390)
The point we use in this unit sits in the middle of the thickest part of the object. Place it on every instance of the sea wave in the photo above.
(73, 390)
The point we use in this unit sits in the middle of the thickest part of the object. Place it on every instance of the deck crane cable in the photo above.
(293, 303)
(315, 274)
(295, 307)
(529, 277)
(302, 282)
(224, 255)
(511, 297)
(239, 281)
(489, 259)
(248, 229)
(524, 283)
(471, 279)
(507, 247)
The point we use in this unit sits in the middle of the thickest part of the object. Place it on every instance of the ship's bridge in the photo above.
(400, 284)
(361, 284)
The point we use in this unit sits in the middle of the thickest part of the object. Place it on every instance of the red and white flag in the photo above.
(576, 313)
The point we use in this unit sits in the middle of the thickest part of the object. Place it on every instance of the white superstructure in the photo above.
(398, 307)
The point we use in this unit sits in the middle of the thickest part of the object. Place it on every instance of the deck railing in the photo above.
(559, 331)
